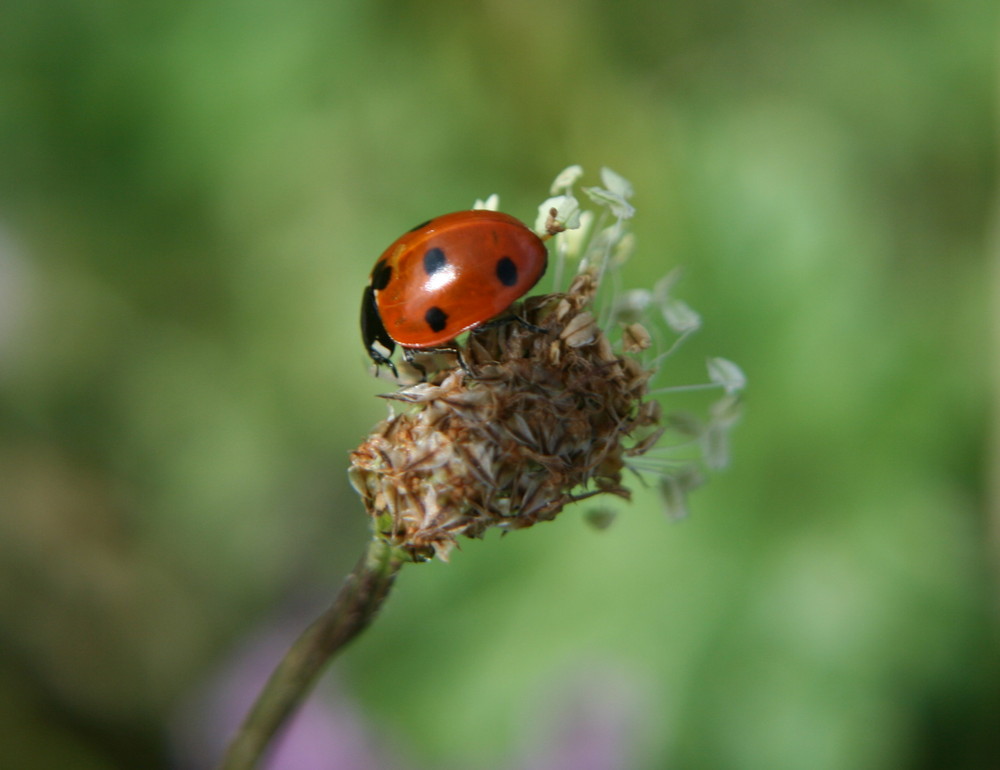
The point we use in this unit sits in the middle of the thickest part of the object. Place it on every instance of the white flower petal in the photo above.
(490, 204)
(661, 290)
(727, 374)
(674, 489)
(566, 179)
(715, 447)
(616, 183)
(680, 317)
(632, 303)
(726, 411)
(574, 240)
(620, 207)
(567, 213)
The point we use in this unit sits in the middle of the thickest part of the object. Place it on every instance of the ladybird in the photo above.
(446, 276)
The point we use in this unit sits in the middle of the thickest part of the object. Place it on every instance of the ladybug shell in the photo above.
(453, 273)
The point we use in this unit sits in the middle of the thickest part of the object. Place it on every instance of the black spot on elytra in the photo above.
(436, 318)
(507, 271)
(381, 275)
(434, 260)
(421, 226)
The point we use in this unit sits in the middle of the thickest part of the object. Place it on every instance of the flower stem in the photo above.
(360, 598)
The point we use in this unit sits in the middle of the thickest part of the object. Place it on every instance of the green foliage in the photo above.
(191, 197)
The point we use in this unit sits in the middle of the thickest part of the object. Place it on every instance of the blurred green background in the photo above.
(191, 197)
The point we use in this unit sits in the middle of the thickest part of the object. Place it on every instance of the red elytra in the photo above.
(446, 276)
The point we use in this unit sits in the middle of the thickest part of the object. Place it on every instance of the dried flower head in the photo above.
(547, 412)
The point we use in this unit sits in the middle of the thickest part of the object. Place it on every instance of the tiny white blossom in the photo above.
(715, 439)
(574, 240)
(661, 290)
(567, 213)
(632, 304)
(616, 183)
(726, 411)
(680, 317)
(715, 447)
(620, 207)
(727, 374)
(490, 204)
(674, 490)
(566, 178)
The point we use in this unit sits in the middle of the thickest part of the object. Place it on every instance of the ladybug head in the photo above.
(378, 343)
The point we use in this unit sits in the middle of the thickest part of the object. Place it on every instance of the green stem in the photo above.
(360, 598)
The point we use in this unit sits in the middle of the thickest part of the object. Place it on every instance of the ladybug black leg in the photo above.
(525, 324)
(408, 355)
(381, 360)
(462, 362)
(506, 319)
